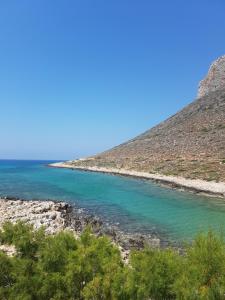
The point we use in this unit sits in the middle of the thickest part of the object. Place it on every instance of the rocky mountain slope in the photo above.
(191, 143)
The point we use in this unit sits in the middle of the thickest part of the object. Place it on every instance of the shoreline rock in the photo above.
(55, 216)
(58, 215)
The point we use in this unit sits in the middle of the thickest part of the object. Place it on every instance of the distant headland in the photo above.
(187, 150)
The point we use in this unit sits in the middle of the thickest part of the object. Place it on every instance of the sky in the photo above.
(80, 76)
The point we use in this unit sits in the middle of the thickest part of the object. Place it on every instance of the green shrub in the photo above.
(23, 237)
(61, 267)
(154, 273)
(203, 276)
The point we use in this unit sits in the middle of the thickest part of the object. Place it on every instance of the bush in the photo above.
(203, 275)
(61, 267)
(154, 273)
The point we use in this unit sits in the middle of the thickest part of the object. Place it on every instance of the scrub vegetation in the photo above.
(60, 267)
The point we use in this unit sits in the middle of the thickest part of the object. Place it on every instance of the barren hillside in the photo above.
(190, 144)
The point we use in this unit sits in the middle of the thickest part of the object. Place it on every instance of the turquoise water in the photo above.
(135, 205)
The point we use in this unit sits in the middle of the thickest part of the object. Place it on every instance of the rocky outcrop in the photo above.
(57, 216)
(54, 216)
(215, 79)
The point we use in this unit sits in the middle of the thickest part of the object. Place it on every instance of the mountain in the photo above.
(190, 144)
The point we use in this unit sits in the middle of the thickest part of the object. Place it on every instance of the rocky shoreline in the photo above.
(198, 186)
(56, 216)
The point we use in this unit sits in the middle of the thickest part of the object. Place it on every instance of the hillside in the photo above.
(190, 144)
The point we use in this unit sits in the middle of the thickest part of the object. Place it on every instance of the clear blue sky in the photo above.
(80, 76)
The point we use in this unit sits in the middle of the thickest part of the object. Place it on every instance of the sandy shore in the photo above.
(211, 188)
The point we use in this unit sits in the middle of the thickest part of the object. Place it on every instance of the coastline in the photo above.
(208, 188)
(58, 216)
(53, 215)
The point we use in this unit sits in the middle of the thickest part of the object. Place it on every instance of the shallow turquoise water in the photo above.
(136, 205)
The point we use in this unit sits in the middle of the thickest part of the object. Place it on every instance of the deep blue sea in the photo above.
(135, 205)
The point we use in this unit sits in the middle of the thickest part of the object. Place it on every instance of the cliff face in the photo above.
(190, 144)
(215, 78)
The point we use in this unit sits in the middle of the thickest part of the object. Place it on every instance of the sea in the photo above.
(134, 205)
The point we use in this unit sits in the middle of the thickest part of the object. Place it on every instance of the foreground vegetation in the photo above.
(60, 267)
